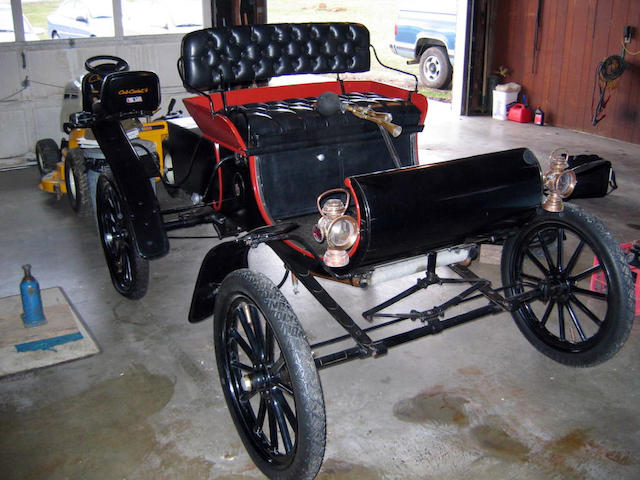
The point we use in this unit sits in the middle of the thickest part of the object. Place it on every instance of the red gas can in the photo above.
(519, 113)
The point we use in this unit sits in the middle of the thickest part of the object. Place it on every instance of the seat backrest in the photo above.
(220, 58)
(130, 94)
(91, 85)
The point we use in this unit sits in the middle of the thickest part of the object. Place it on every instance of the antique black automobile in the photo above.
(327, 175)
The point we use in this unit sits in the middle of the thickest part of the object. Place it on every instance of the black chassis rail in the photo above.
(432, 321)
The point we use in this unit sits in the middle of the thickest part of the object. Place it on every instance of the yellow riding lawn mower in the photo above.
(72, 168)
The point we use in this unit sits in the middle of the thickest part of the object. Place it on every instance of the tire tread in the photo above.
(302, 369)
(621, 279)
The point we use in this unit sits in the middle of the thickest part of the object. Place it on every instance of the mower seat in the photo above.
(128, 95)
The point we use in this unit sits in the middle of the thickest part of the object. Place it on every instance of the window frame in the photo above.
(19, 33)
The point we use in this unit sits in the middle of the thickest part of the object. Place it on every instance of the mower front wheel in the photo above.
(76, 181)
(47, 155)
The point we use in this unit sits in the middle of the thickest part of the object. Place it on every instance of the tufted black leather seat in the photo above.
(295, 123)
(299, 153)
(219, 58)
(225, 57)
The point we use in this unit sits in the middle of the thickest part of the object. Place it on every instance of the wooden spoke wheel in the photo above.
(269, 377)
(584, 310)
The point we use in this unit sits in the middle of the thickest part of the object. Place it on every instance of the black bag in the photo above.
(594, 176)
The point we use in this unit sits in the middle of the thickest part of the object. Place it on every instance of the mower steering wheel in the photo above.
(109, 64)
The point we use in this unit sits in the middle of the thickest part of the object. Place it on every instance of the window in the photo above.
(79, 19)
(151, 17)
(53, 19)
(7, 33)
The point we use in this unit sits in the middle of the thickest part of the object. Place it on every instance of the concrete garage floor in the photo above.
(475, 402)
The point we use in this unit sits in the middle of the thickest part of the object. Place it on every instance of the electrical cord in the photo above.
(628, 51)
(607, 73)
(191, 163)
(215, 170)
(25, 87)
(611, 68)
(284, 279)
(45, 84)
(177, 185)
(12, 95)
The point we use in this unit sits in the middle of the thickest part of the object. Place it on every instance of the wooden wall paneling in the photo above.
(545, 69)
(500, 33)
(616, 106)
(565, 99)
(623, 112)
(632, 105)
(589, 68)
(575, 35)
(600, 49)
(584, 19)
(557, 39)
(569, 75)
(527, 32)
(515, 19)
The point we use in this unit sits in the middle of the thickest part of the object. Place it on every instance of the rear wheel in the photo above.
(129, 272)
(168, 173)
(583, 310)
(435, 68)
(76, 182)
(47, 155)
(269, 378)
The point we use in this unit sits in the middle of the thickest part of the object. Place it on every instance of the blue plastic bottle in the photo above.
(31, 300)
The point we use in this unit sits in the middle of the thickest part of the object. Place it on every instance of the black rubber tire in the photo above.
(435, 69)
(592, 302)
(76, 182)
(129, 272)
(47, 155)
(255, 331)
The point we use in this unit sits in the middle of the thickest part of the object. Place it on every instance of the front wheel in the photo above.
(582, 304)
(47, 155)
(269, 378)
(76, 180)
(129, 272)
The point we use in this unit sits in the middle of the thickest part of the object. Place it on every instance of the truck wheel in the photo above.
(77, 182)
(269, 377)
(47, 155)
(585, 311)
(129, 272)
(435, 69)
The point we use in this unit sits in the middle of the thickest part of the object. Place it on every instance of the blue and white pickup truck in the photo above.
(425, 33)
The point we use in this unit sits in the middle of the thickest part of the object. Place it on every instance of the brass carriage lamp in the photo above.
(558, 180)
(339, 230)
